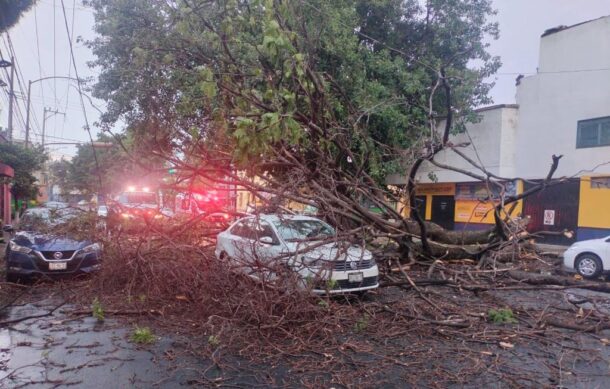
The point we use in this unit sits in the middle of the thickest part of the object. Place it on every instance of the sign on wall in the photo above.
(445, 189)
(479, 191)
(549, 217)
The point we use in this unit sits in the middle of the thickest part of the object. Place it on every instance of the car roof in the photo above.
(37, 211)
(280, 217)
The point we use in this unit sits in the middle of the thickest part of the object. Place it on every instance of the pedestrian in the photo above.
(24, 206)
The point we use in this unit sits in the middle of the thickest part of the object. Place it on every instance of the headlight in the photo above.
(19, 249)
(91, 248)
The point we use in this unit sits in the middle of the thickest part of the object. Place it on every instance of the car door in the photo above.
(266, 249)
(606, 254)
(238, 242)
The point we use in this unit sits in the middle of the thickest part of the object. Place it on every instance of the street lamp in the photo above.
(27, 119)
(11, 95)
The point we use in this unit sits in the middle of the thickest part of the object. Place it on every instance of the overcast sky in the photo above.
(47, 53)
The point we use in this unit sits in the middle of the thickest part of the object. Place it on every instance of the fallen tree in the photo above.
(313, 103)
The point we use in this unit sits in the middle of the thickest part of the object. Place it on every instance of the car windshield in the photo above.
(38, 218)
(294, 230)
(138, 198)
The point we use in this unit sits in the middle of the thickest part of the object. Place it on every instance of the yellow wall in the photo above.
(476, 211)
(469, 211)
(594, 207)
(428, 190)
(466, 211)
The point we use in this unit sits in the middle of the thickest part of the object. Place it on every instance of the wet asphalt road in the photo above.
(62, 350)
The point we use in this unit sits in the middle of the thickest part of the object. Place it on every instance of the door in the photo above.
(553, 209)
(420, 205)
(239, 243)
(443, 211)
(264, 261)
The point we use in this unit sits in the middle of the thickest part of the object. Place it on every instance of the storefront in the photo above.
(594, 208)
(6, 173)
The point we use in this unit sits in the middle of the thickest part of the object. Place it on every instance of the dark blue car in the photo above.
(35, 249)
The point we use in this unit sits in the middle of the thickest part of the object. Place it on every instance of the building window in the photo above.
(593, 133)
(600, 182)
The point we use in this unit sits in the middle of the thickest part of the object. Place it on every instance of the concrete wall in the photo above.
(573, 84)
(491, 144)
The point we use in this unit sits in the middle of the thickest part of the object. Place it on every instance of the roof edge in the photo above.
(554, 30)
(497, 106)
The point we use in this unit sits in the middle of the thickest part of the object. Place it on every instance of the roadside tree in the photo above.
(320, 100)
(11, 11)
(25, 162)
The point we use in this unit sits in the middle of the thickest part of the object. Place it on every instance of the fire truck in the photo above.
(135, 203)
(212, 204)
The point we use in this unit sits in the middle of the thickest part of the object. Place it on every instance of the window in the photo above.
(600, 182)
(261, 230)
(242, 229)
(593, 133)
(252, 229)
(138, 198)
(295, 230)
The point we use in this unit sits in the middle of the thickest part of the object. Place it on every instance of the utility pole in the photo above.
(27, 115)
(44, 123)
(11, 97)
(27, 110)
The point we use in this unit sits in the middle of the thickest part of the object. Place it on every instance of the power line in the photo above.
(55, 57)
(80, 93)
(70, 37)
(20, 82)
(38, 51)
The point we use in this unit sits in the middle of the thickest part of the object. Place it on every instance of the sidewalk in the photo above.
(551, 248)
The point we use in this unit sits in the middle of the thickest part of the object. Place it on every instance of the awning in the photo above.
(6, 171)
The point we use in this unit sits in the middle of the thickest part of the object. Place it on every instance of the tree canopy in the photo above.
(110, 173)
(321, 100)
(260, 74)
(25, 162)
(11, 11)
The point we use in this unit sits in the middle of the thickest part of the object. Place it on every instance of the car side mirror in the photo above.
(266, 240)
(8, 228)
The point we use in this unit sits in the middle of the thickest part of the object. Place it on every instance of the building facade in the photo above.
(563, 109)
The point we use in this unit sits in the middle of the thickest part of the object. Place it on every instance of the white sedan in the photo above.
(261, 246)
(590, 258)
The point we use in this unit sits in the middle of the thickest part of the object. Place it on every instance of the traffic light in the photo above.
(171, 170)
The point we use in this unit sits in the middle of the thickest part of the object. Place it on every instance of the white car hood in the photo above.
(330, 251)
(588, 243)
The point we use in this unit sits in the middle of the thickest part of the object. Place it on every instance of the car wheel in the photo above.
(589, 266)
(12, 278)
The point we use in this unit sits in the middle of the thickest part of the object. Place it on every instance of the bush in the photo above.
(501, 316)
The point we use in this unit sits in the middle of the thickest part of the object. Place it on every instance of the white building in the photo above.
(563, 109)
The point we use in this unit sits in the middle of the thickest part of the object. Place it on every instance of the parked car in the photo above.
(102, 211)
(55, 205)
(590, 258)
(34, 250)
(259, 245)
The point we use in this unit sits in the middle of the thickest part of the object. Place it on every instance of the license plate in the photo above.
(355, 277)
(58, 265)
